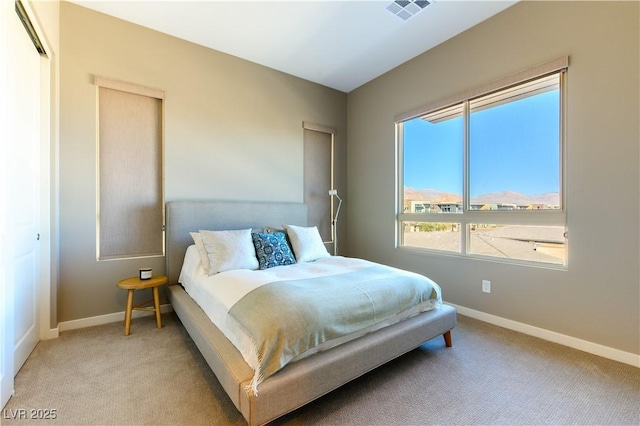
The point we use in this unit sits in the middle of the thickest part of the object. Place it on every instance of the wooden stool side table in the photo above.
(135, 283)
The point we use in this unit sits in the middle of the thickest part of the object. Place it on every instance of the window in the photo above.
(482, 175)
(318, 177)
(130, 194)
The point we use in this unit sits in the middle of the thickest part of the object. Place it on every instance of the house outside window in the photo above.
(482, 175)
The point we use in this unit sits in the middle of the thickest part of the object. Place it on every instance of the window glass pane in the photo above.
(501, 152)
(544, 244)
(433, 161)
(514, 148)
(432, 235)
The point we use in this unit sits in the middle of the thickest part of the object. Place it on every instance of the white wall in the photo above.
(598, 298)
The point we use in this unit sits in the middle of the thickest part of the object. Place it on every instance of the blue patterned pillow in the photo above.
(272, 249)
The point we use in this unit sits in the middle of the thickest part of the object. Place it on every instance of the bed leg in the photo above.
(447, 339)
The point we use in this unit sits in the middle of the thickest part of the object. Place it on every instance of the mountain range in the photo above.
(434, 196)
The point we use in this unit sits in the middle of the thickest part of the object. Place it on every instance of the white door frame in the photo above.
(48, 142)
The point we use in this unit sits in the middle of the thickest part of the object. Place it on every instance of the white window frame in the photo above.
(140, 229)
(549, 217)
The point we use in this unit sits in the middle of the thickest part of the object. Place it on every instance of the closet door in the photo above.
(24, 217)
(20, 196)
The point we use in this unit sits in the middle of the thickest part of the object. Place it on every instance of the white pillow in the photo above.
(191, 267)
(228, 250)
(306, 243)
(197, 239)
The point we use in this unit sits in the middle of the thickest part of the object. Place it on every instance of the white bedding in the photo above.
(216, 294)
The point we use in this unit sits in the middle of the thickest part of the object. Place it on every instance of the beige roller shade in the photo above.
(130, 213)
(520, 77)
(318, 168)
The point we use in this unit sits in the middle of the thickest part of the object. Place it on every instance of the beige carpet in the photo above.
(491, 376)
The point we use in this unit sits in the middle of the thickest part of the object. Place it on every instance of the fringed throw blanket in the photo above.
(286, 318)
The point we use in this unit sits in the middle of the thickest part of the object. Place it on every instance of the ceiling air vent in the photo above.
(406, 9)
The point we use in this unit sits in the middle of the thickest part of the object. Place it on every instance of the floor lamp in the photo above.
(334, 222)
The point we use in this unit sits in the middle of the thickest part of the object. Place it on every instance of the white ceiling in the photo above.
(339, 44)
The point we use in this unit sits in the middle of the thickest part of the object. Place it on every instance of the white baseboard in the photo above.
(51, 333)
(552, 336)
(106, 319)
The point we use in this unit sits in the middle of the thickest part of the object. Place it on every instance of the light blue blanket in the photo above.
(286, 318)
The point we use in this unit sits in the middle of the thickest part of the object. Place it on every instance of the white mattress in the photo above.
(216, 295)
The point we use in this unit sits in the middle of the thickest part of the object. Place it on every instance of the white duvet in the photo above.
(216, 295)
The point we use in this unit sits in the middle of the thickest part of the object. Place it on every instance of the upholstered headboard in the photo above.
(183, 217)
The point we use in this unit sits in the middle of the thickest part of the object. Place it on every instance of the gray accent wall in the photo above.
(597, 299)
(232, 131)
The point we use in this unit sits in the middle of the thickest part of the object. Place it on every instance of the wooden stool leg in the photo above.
(127, 314)
(156, 304)
(447, 339)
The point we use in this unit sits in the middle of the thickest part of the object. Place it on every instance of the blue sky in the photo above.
(514, 147)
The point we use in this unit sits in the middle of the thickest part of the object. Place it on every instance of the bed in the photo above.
(307, 378)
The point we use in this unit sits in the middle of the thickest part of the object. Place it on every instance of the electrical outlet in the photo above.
(486, 286)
